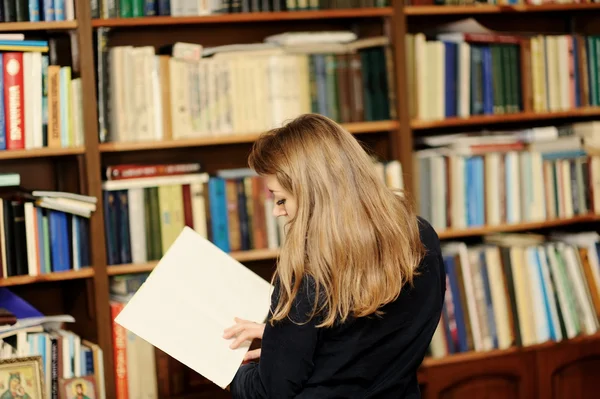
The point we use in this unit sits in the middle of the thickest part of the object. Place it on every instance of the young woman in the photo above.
(359, 284)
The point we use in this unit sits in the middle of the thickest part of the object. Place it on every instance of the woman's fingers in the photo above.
(246, 335)
(236, 328)
(251, 355)
(233, 330)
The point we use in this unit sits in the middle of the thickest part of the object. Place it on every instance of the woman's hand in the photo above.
(245, 331)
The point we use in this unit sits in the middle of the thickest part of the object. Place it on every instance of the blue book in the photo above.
(488, 85)
(458, 310)
(34, 11)
(48, 10)
(59, 10)
(150, 8)
(451, 78)
(218, 213)
(59, 241)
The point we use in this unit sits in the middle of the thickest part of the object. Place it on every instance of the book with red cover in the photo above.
(14, 103)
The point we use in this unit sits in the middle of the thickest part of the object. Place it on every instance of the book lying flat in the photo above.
(190, 298)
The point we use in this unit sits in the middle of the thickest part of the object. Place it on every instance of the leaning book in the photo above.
(190, 298)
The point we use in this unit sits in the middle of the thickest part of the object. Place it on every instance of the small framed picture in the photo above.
(78, 388)
(22, 377)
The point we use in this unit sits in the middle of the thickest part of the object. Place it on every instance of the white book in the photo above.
(190, 298)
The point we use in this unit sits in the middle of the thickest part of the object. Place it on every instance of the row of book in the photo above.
(44, 232)
(188, 8)
(504, 177)
(144, 214)
(40, 103)
(518, 290)
(37, 10)
(43, 343)
(459, 74)
(239, 89)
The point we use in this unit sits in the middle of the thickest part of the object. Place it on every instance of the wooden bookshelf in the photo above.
(478, 373)
(242, 256)
(484, 120)
(244, 17)
(39, 26)
(492, 9)
(40, 153)
(58, 276)
(481, 231)
(359, 127)
(497, 353)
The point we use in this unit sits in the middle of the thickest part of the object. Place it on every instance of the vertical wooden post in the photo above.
(403, 141)
(85, 45)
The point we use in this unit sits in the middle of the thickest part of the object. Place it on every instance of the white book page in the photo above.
(190, 298)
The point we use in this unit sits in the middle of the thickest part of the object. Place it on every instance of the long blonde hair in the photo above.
(355, 237)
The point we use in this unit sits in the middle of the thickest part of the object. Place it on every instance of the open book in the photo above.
(189, 299)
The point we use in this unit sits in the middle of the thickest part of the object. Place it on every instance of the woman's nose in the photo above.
(277, 211)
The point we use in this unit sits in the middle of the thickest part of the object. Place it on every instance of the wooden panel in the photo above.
(33, 26)
(486, 120)
(517, 22)
(62, 276)
(402, 138)
(242, 256)
(453, 234)
(213, 158)
(358, 128)
(501, 9)
(507, 375)
(98, 290)
(570, 369)
(45, 173)
(40, 152)
(244, 17)
(221, 34)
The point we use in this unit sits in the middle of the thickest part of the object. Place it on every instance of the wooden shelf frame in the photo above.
(356, 128)
(86, 272)
(516, 227)
(245, 17)
(41, 153)
(241, 256)
(429, 362)
(37, 26)
(504, 118)
(498, 9)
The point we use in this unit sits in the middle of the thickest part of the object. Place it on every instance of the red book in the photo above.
(14, 101)
(119, 335)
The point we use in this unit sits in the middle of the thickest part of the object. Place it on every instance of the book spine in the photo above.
(34, 11)
(120, 352)
(150, 8)
(48, 10)
(2, 114)
(59, 10)
(13, 100)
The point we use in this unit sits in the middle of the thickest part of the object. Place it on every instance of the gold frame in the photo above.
(36, 363)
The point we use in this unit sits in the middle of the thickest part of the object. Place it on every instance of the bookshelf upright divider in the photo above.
(93, 170)
(401, 139)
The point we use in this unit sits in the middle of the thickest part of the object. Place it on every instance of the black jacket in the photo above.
(369, 357)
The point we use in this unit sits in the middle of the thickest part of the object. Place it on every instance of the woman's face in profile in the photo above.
(285, 203)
